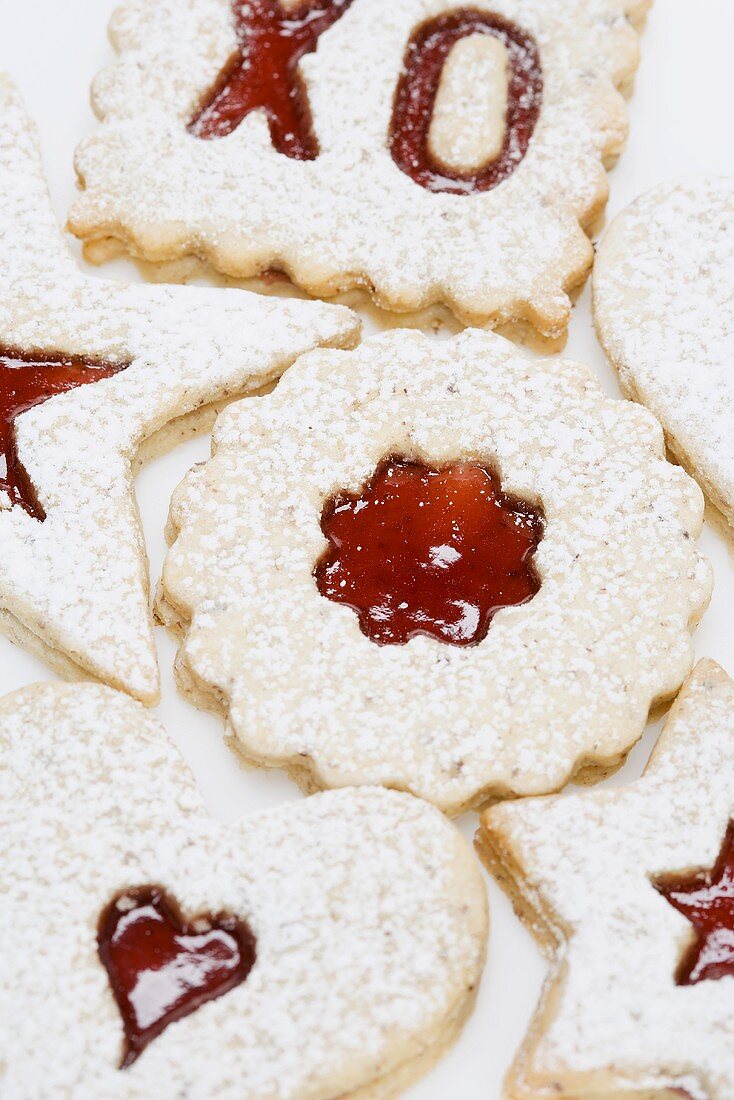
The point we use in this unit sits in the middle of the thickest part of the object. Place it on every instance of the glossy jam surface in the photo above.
(162, 968)
(707, 900)
(428, 551)
(264, 73)
(415, 97)
(26, 381)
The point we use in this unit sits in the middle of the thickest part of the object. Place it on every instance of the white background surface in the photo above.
(681, 123)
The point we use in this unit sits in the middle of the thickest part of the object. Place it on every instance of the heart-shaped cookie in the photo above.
(664, 311)
(331, 947)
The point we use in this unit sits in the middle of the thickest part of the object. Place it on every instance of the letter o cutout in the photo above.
(415, 98)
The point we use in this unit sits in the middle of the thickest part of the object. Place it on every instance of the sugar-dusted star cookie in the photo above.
(664, 311)
(88, 371)
(630, 892)
(425, 151)
(438, 566)
(330, 948)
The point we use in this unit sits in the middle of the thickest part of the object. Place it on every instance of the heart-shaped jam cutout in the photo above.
(162, 968)
(429, 551)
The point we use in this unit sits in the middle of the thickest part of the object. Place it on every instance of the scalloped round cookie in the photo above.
(664, 312)
(561, 684)
(198, 153)
(362, 914)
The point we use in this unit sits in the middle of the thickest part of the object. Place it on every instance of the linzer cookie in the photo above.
(88, 371)
(664, 310)
(330, 948)
(438, 566)
(630, 893)
(428, 153)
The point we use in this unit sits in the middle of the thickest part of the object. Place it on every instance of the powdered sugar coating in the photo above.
(79, 580)
(351, 217)
(664, 310)
(565, 679)
(612, 1017)
(368, 908)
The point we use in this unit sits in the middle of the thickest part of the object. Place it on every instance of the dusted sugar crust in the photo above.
(351, 217)
(368, 907)
(74, 588)
(612, 1021)
(664, 312)
(561, 683)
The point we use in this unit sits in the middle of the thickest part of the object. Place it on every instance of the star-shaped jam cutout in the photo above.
(707, 901)
(27, 380)
(429, 551)
(263, 73)
(162, 968)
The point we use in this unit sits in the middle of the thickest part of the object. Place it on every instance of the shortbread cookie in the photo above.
(88, 371)
(438, 566)
(630, 893)
(664, 309)
(425, 152)
(330, 948)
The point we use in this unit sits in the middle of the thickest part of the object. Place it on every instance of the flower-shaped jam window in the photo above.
(429, 551)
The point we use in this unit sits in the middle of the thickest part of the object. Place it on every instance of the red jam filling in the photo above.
(162, 968)
(427, 51)
(707, 901)
(428, 551)
(263, 73)
(25, 381)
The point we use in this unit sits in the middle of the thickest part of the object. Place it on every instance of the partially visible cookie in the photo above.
(664, 311)
(423, 151)
(439, 566)
(90, 370)
(630, 893)
(333, 947)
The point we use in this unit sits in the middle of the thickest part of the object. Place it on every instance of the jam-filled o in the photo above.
(426, 58)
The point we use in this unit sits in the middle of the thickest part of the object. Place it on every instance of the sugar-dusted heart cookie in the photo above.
(424, 151)
(330, 948)
(664, 310)
(89, 370)
(630, 892)
(438, 566)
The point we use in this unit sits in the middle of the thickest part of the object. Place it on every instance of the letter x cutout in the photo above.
(263, 73)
